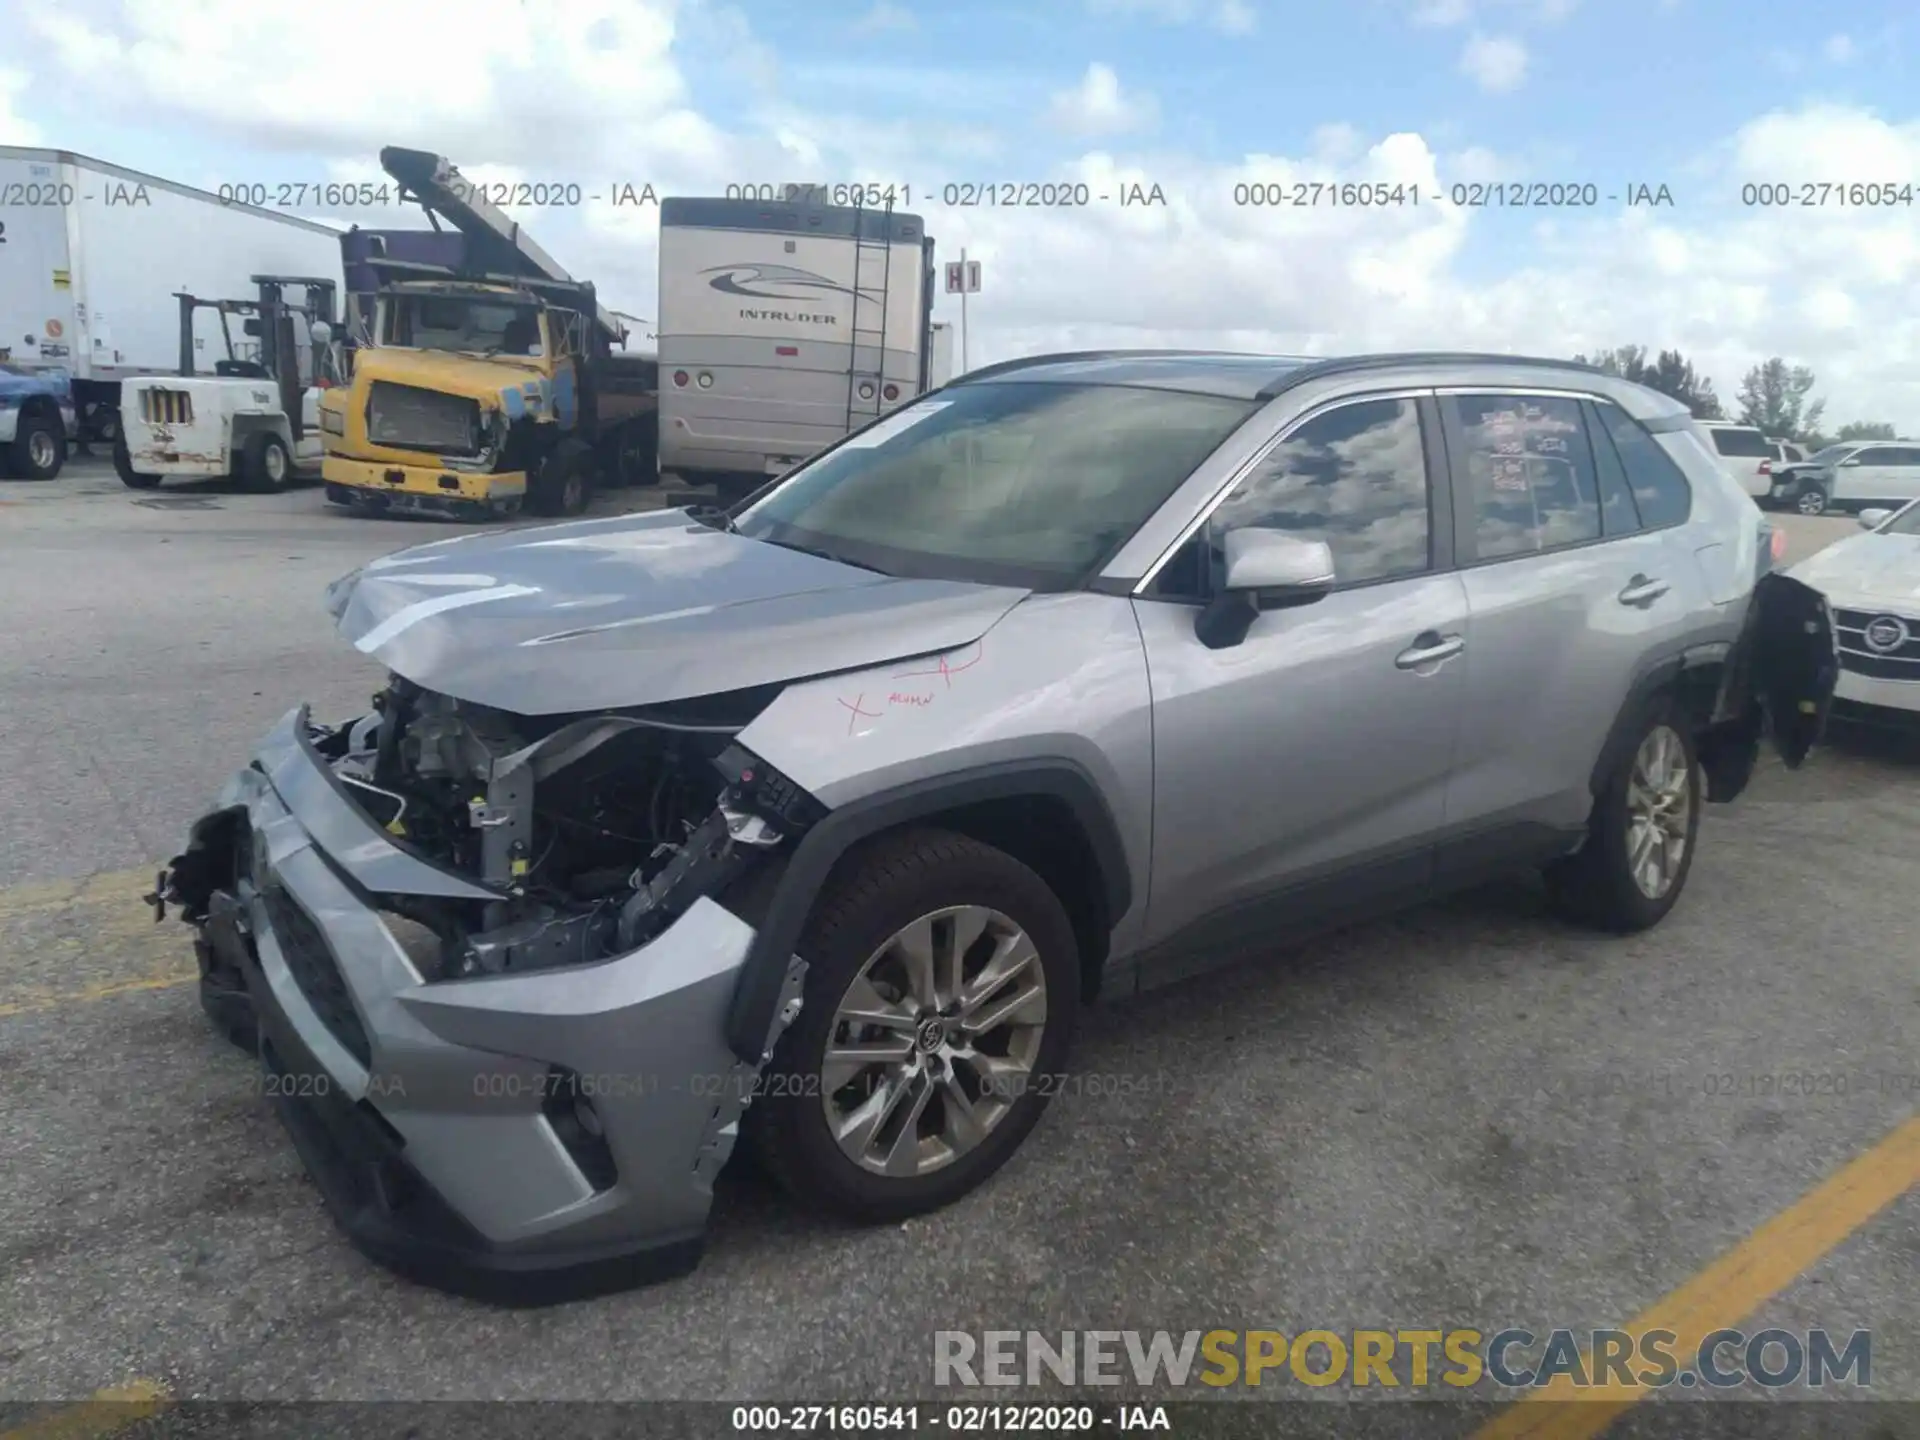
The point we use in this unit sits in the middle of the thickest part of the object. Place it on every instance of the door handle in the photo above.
(1642, 591)
(1429, 648)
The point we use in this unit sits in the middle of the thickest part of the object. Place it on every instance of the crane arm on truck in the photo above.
(495, 243)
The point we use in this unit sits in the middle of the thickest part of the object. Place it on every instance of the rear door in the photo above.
(1898, 474)
(1572, 595)
(36, 289)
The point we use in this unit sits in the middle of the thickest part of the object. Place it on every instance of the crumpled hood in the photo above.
(1866, 568)
(638, 610)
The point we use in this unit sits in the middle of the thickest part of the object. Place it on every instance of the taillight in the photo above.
(1777, 545)
(680, 378)
(1766, 467)
(892, 392)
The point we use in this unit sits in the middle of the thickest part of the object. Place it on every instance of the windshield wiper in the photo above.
(822, 554)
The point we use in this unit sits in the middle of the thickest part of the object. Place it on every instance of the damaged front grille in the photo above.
(310, 961)
(416, 419)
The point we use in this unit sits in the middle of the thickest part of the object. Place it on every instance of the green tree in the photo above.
(1671, 374)
(1866, 430)
(1775, 396)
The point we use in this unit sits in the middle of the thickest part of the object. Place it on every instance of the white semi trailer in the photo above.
(92, 256)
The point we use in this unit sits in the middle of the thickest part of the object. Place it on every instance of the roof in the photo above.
(1226, 373)
(34, 154)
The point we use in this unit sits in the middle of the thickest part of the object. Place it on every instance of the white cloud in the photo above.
(1445, 13)
(1230, 17)
(883, 17)
(1098, 106)
(14, 128)
(1840, 50)
(1727, 285)
(1496, 63)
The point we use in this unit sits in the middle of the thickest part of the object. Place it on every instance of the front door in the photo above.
(1302, 771)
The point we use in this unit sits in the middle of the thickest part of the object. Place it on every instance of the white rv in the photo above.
(783, 326)
(92, 254)
(940, 355)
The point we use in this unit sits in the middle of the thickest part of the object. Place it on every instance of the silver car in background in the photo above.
(818, 821)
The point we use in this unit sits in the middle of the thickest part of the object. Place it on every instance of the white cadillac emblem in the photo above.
(1886, 634)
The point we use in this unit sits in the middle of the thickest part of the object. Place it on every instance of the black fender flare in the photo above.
(757, 992)
(1657, 676)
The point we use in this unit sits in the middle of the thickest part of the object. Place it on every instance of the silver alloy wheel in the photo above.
(934, 1041)
(1810, 501)
(41, 450)
(1659, 811)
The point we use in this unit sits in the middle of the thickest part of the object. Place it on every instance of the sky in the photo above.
(1206, 106)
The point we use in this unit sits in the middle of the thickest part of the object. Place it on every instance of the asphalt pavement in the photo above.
(1467, 1115)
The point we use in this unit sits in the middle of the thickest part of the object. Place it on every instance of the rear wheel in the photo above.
(266, 467)
(123, 467)
(941, 991)
(39, 447)
(1640, 839)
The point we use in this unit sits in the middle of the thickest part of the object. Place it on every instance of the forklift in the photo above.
(255, 419)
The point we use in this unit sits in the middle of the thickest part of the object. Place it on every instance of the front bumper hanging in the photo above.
(520, 1138)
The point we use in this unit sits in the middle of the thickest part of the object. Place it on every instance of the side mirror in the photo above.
(1874, 519)
(322, 333)
(1852, 460)
(1265, 570)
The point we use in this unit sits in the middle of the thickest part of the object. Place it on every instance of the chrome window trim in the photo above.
(1219, 496)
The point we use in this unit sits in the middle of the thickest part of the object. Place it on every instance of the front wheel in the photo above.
(1641, 836)
(562, 486)
(1810, 500)
(265, 466)
(941, 991)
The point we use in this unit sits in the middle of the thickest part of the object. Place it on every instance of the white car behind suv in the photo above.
(1872, 581)
(1745, 453)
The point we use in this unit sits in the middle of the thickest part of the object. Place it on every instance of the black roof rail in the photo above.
(1070, 356)
(1343, 364)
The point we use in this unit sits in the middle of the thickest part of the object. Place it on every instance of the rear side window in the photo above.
(1899, 455)
(1660, 491)
(1746, 444)
(1530, 475)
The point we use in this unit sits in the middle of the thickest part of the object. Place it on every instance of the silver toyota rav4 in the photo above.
(819, 819)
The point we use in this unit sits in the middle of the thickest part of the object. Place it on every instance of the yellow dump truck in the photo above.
(489, 388)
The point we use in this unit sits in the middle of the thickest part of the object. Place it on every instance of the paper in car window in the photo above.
(897, 423)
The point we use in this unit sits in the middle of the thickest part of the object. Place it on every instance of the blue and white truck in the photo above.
(37, 421)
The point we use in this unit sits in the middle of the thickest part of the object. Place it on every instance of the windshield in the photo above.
(469, 326)
(1029, 484)
(1904, 522)
(1835, 452)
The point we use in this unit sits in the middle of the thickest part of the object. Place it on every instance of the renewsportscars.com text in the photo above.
(1513, 1359)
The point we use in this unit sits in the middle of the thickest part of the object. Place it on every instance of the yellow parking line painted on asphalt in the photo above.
(49, 896)
(1730, 1289)
(56, 999)
(101, 1415)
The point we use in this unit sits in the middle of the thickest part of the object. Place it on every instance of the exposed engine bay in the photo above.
(597, 831)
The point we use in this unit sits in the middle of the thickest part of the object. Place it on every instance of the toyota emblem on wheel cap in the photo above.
(1886, 634)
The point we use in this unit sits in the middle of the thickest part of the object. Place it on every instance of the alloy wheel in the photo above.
(41, 449)
(1810, 502)
(1659, 811)
(934, 1041)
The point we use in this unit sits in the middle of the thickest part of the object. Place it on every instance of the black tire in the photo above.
(123, 467)
(1595, 886)
(39, 447)
(876, 892)
(563, 485)
(1810, 499)
(105, 425)
(266, 465)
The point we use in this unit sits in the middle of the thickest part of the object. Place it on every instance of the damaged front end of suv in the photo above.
(502, 966)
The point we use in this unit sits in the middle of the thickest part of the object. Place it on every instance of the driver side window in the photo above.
(1354, 477)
